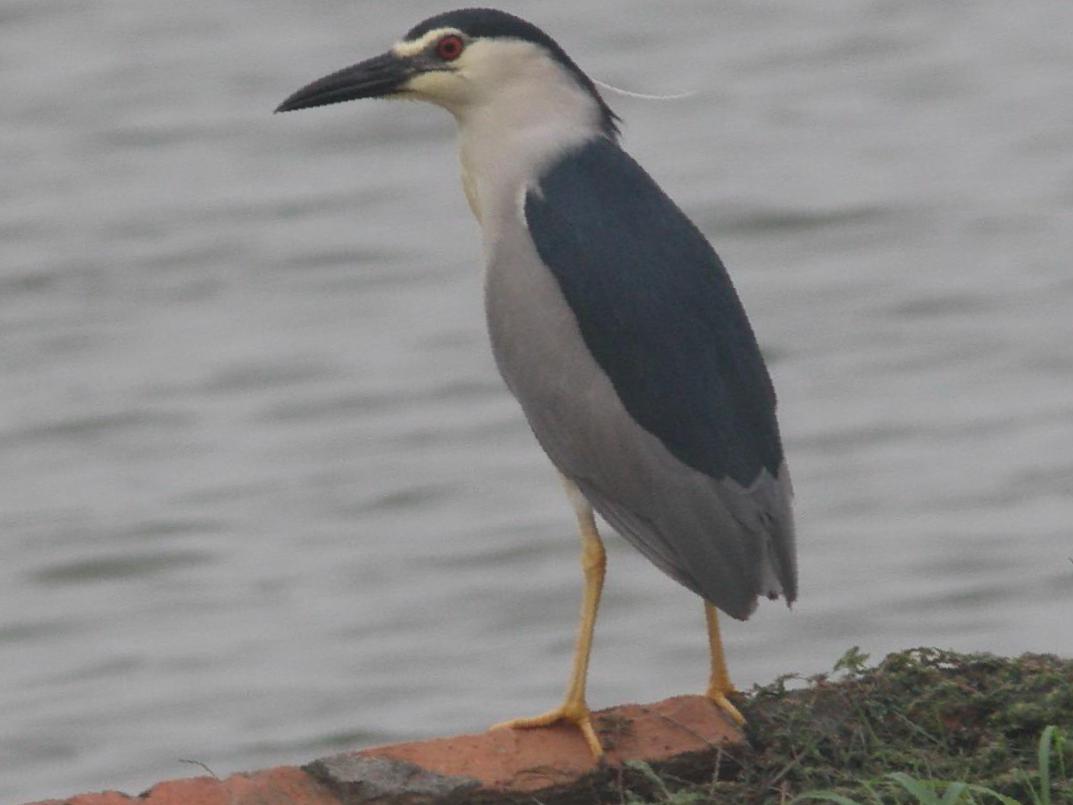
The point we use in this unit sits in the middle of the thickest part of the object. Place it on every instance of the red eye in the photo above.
(450, 47)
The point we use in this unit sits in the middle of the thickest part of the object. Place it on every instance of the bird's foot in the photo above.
(723, 703)
(576, 713)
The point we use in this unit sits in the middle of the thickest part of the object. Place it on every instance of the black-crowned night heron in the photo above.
(612, 321)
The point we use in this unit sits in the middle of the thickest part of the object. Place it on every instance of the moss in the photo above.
(933, 714)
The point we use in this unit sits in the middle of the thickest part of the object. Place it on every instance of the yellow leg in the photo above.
(593, 564)
(719, 685)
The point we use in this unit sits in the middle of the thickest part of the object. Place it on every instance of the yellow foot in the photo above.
(723, 703)
(577, 714)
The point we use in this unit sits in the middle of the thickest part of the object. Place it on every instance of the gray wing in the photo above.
(616, 327)
(678, 533)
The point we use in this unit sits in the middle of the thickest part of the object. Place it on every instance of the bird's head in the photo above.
(469, 61)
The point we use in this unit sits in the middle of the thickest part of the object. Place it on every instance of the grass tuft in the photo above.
(924, 726)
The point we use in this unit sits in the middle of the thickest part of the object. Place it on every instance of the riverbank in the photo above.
(865, 733)
(933, 715)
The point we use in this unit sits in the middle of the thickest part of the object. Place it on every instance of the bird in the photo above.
(612, 321)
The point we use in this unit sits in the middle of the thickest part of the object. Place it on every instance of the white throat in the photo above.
(521, 111)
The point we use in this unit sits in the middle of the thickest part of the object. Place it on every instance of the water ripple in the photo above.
(106, 568)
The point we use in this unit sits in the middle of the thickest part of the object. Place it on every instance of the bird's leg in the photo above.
(593, 564)
(719, 685)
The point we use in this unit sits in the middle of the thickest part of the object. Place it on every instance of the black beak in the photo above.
(374, 78)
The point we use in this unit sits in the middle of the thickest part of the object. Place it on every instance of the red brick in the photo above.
(540, 763)
(498, 764)
(284, 785)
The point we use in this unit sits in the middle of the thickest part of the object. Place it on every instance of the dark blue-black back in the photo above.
(658, 311)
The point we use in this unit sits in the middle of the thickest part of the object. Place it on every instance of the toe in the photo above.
(574, 713)
(723, 703)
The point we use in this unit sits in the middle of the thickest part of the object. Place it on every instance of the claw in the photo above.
(577, 715)
(723, 703)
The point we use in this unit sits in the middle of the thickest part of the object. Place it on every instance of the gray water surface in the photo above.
(262, 494)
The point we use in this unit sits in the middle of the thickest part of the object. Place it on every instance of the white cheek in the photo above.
(440, 87)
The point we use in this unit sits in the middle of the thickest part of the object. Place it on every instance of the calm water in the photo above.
(262, 494)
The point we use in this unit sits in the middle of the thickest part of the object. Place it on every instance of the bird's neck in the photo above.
(506, 143)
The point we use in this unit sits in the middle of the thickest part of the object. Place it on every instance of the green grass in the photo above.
(925, 726)
(934, 792)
